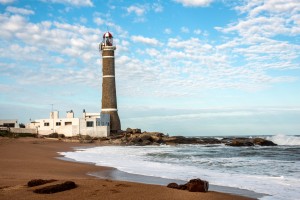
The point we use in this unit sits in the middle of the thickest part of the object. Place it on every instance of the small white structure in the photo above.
(90, 124)
(11, 123)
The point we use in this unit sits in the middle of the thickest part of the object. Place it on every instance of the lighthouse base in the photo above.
(115, 124)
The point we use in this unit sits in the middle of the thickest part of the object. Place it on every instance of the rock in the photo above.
(181, 140)
(36, 182)
(146, 142)
(136, 140)
(210, 141)
(263, 142)
(173, 185)
(53, 135)
(197, 185)
(194, 185)
(145, 137)
(129, 130)
(182, 187)
(136, 131)
(68, 185)
(240, 143)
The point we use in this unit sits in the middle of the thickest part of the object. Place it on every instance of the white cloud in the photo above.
(98, 21)
(178, 68)
(138, 10)
(194, 3)
(145, 40)
(72, 2)
(6, 1)
(167, 31)
(267, 18)
(21, 11)
(83, 20)
(157, 7)
(43, 47)
(184, 29)
(255, 35)
(197, 31)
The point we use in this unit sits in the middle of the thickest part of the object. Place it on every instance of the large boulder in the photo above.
(197, 185)
(194, 185)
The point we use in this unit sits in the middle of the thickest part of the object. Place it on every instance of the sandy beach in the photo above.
(24, 159)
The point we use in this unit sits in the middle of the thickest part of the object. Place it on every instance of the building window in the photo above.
(89, 124)
(46, 124)
(68, 123)
(58, 123)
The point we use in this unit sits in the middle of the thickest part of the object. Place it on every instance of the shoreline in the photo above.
(112, 173)
(24, 159)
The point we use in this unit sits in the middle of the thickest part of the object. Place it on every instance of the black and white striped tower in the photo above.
(109, 96)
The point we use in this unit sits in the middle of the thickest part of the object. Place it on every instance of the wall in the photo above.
(23, 130)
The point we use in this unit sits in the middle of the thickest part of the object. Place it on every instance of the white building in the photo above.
(11, 123)
(90, 124)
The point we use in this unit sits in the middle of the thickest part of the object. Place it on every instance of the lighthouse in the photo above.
(109, 94)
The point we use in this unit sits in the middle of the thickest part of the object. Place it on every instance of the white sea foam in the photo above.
(278, 178)
(284, 139)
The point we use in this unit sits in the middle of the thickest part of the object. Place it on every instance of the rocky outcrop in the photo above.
(136, 137)
(263, 142)
(239, 142)
(194, 185)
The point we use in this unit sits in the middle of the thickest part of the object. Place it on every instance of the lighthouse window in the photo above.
(46, 124)
(58, 123)
(89, 124)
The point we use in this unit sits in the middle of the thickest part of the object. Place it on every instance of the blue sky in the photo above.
(183, 67)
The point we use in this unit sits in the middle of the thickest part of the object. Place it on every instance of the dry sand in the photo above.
(24, 159)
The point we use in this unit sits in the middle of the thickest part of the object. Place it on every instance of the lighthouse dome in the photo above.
(107, 39)
(107, 35)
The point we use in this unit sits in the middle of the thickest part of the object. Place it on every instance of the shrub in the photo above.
(53, 135)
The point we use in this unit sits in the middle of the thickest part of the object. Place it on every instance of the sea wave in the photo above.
(257, 168)
(284, 139)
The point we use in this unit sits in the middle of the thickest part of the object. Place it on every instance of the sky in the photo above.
(183, 67)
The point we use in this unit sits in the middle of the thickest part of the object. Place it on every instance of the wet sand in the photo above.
(24, 159)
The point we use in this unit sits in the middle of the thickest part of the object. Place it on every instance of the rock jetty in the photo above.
(136, 137)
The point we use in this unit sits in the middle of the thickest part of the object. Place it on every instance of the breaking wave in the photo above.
(284, 139)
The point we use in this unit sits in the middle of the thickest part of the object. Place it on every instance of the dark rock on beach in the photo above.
(194, 185)
(197, 185)
(173, 185)
(68, 185)
(36, 182)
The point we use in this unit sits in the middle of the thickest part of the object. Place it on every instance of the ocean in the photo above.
(273, 171)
